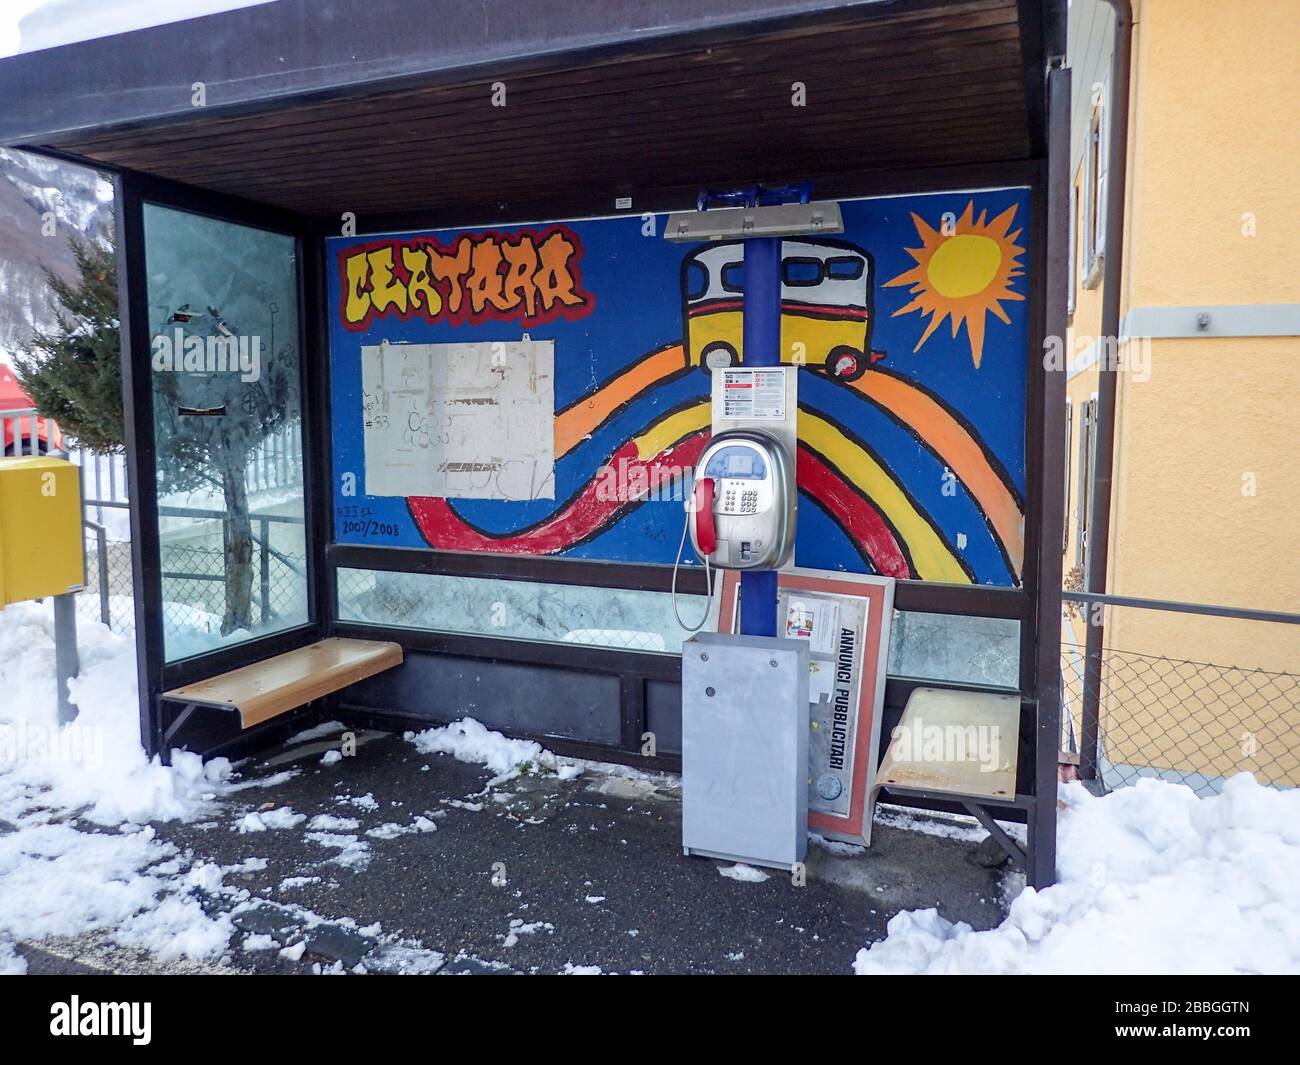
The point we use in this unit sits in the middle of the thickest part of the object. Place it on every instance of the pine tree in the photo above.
(74, 372)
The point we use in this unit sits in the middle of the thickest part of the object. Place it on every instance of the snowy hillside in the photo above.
(34, 189)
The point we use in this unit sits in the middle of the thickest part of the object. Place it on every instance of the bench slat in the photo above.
(265, 689)
(910, 766)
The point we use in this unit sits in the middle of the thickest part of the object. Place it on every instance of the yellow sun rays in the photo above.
(963, 274)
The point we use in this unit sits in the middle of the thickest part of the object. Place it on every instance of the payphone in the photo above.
(741, 512)
(745, 711)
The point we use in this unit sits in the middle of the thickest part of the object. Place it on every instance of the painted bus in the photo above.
(826, 311)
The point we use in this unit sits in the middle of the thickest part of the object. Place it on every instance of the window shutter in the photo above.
(1074, 249)
(1103, 163)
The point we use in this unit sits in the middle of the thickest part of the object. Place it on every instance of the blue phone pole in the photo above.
(761, 340)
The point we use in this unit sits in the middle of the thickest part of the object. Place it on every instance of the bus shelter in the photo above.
(311, 199)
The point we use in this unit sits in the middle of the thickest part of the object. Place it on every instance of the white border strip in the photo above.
(1223, 320)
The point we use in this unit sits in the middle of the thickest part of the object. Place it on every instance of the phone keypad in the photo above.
(740, 500)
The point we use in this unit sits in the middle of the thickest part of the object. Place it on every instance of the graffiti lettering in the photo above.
(528, 277)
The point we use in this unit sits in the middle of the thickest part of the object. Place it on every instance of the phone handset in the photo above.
(741, 512)
(706, 534)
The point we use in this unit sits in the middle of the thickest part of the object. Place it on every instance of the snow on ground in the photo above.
(80, 856)
(11, 963)
(96, 765)
(1152, 880)
(746, 874)
(264, 820)
(467, 740)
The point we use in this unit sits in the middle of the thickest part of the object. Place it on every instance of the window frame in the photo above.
(1095, 166)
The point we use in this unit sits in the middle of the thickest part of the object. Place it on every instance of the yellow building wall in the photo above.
(1208, 512)
(1206, 504)
(1216, 98)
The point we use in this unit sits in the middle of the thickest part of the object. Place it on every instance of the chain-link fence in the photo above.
(194, 585)
(108, 596)
(194, 575)
(1229, 703)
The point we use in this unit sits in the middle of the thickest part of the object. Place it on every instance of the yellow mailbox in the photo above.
(41, 550)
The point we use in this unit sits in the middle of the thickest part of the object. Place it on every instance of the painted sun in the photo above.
(963, 272)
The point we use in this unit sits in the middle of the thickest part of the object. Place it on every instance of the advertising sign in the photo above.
(846, 620)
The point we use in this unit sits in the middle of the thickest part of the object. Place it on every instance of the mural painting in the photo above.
(911, 460)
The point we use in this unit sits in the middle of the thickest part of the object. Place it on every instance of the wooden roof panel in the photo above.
(921, 85)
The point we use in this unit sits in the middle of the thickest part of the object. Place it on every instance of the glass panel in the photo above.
(223, 322)
(952, 647)
(519, 610)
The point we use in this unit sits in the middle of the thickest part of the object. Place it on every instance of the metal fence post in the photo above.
(266, 571)
(66, 661)
(101, 554)
(1090, 708)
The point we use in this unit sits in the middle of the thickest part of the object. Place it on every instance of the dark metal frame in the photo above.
(634, 669)
(156, 675)
(1097, 558)
(1173, 606)
(251, 55)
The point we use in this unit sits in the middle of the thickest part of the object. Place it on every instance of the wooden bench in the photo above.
(264, 690)
(985, 791)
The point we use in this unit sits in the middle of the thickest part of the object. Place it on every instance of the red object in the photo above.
(705, 533)
(847, 366)
(12, 398)
(855, 514)
(584, 516)
(590, 511)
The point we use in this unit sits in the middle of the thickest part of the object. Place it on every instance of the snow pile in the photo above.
(59, 877)
(330, 823)
(11, 964)
(467, 740)
(746, 874)
(353, 853)
(1152, 880)
(96, 764)
(391, 829)
(263, 820)
(57, 880)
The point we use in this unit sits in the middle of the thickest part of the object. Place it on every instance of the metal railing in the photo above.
(20, 432)
(1134, 709)
(275, 463)
(192, 571)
